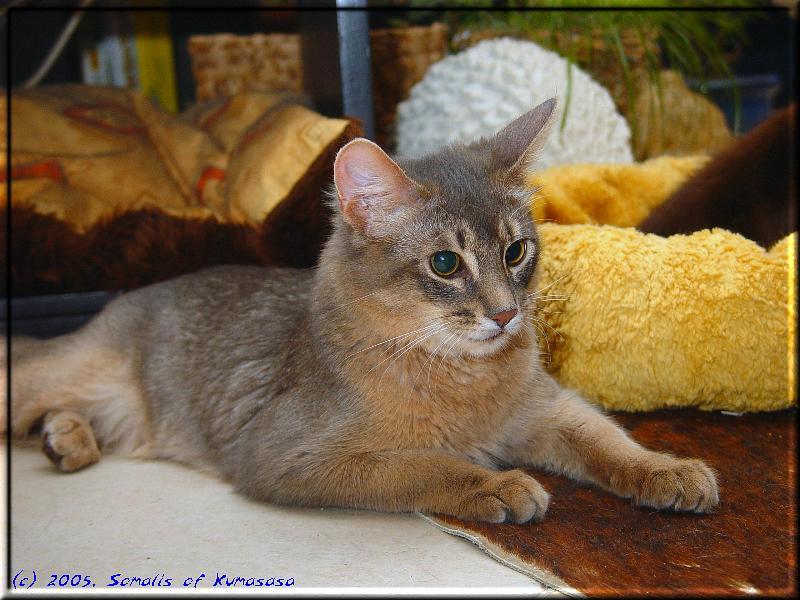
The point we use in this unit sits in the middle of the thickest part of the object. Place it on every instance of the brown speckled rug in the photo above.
(594, 543)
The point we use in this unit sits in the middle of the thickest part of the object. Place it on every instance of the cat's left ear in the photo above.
(375, 195)
(516, 147)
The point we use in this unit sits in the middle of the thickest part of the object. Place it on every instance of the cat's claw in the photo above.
(681, 485)
(506, 496)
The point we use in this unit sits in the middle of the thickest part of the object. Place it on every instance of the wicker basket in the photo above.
(686, 123)
(400, 58)
(601, 60)
(225, 64)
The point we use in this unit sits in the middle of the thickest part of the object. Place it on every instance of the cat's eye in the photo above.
(515, 253)
(445, 263)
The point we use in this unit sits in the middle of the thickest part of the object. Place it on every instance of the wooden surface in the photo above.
(601, 545)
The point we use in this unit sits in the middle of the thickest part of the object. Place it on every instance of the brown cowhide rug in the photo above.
(593, 543)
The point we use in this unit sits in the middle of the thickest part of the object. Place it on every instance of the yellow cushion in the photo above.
(640, 322)
(611, 194)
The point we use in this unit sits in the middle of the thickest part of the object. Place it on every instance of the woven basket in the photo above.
(225, 64)
(687, 122)
(400, 58)
(600, 59)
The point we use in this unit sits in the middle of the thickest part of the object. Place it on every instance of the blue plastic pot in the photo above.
(757, 97)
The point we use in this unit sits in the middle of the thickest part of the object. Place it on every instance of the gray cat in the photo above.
(402, 374)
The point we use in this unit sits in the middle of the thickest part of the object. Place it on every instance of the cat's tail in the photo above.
(21, 346)
(30, 374)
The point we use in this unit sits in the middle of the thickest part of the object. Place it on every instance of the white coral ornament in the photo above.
(478, 91)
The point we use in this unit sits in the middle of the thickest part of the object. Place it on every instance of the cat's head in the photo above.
(443, 246)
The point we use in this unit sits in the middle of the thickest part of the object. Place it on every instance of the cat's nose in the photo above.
(503, 317)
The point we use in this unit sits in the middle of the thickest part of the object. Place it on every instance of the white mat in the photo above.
(159, 520)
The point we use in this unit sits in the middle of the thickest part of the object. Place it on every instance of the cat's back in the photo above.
(200, 329)
(217, 302)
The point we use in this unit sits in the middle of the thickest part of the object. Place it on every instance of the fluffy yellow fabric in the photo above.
(610, 194)
(641, 322)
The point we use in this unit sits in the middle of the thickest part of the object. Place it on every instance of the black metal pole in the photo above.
(336, 59)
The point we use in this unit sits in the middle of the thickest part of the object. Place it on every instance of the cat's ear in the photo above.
(374, 193)
(517, 146)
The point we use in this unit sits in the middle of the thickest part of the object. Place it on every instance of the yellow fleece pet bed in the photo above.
(639, 322)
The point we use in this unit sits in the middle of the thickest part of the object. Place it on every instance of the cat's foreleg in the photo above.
(565, 434)
(412, 480)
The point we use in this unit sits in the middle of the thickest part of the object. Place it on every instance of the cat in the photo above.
(747, 188)
(401, 374)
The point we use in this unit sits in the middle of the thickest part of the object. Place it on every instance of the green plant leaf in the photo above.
(567, 96)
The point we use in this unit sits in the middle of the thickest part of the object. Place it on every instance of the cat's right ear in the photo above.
(374, 192)
(516, 147)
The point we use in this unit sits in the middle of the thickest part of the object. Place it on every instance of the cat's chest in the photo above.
(414, 406)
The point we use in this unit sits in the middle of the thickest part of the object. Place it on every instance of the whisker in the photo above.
(549, 297)
(546, 324)
(548, 286)
(444, 357)
(335, 307)
(527, 204)
(430, 366)
(549, 351)
(430, 361)
(400, 350)
(361, 298)
(416, 343)
(546, 342)
(405, 347)
(397, 337)
(453, 345)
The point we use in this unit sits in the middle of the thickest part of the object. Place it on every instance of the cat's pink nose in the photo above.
(502, 318)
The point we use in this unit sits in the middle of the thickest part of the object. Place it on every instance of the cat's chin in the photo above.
(442, 344)
(485, 347)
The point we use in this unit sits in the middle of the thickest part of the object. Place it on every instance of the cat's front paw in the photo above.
(505, 496)
(682, 484)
